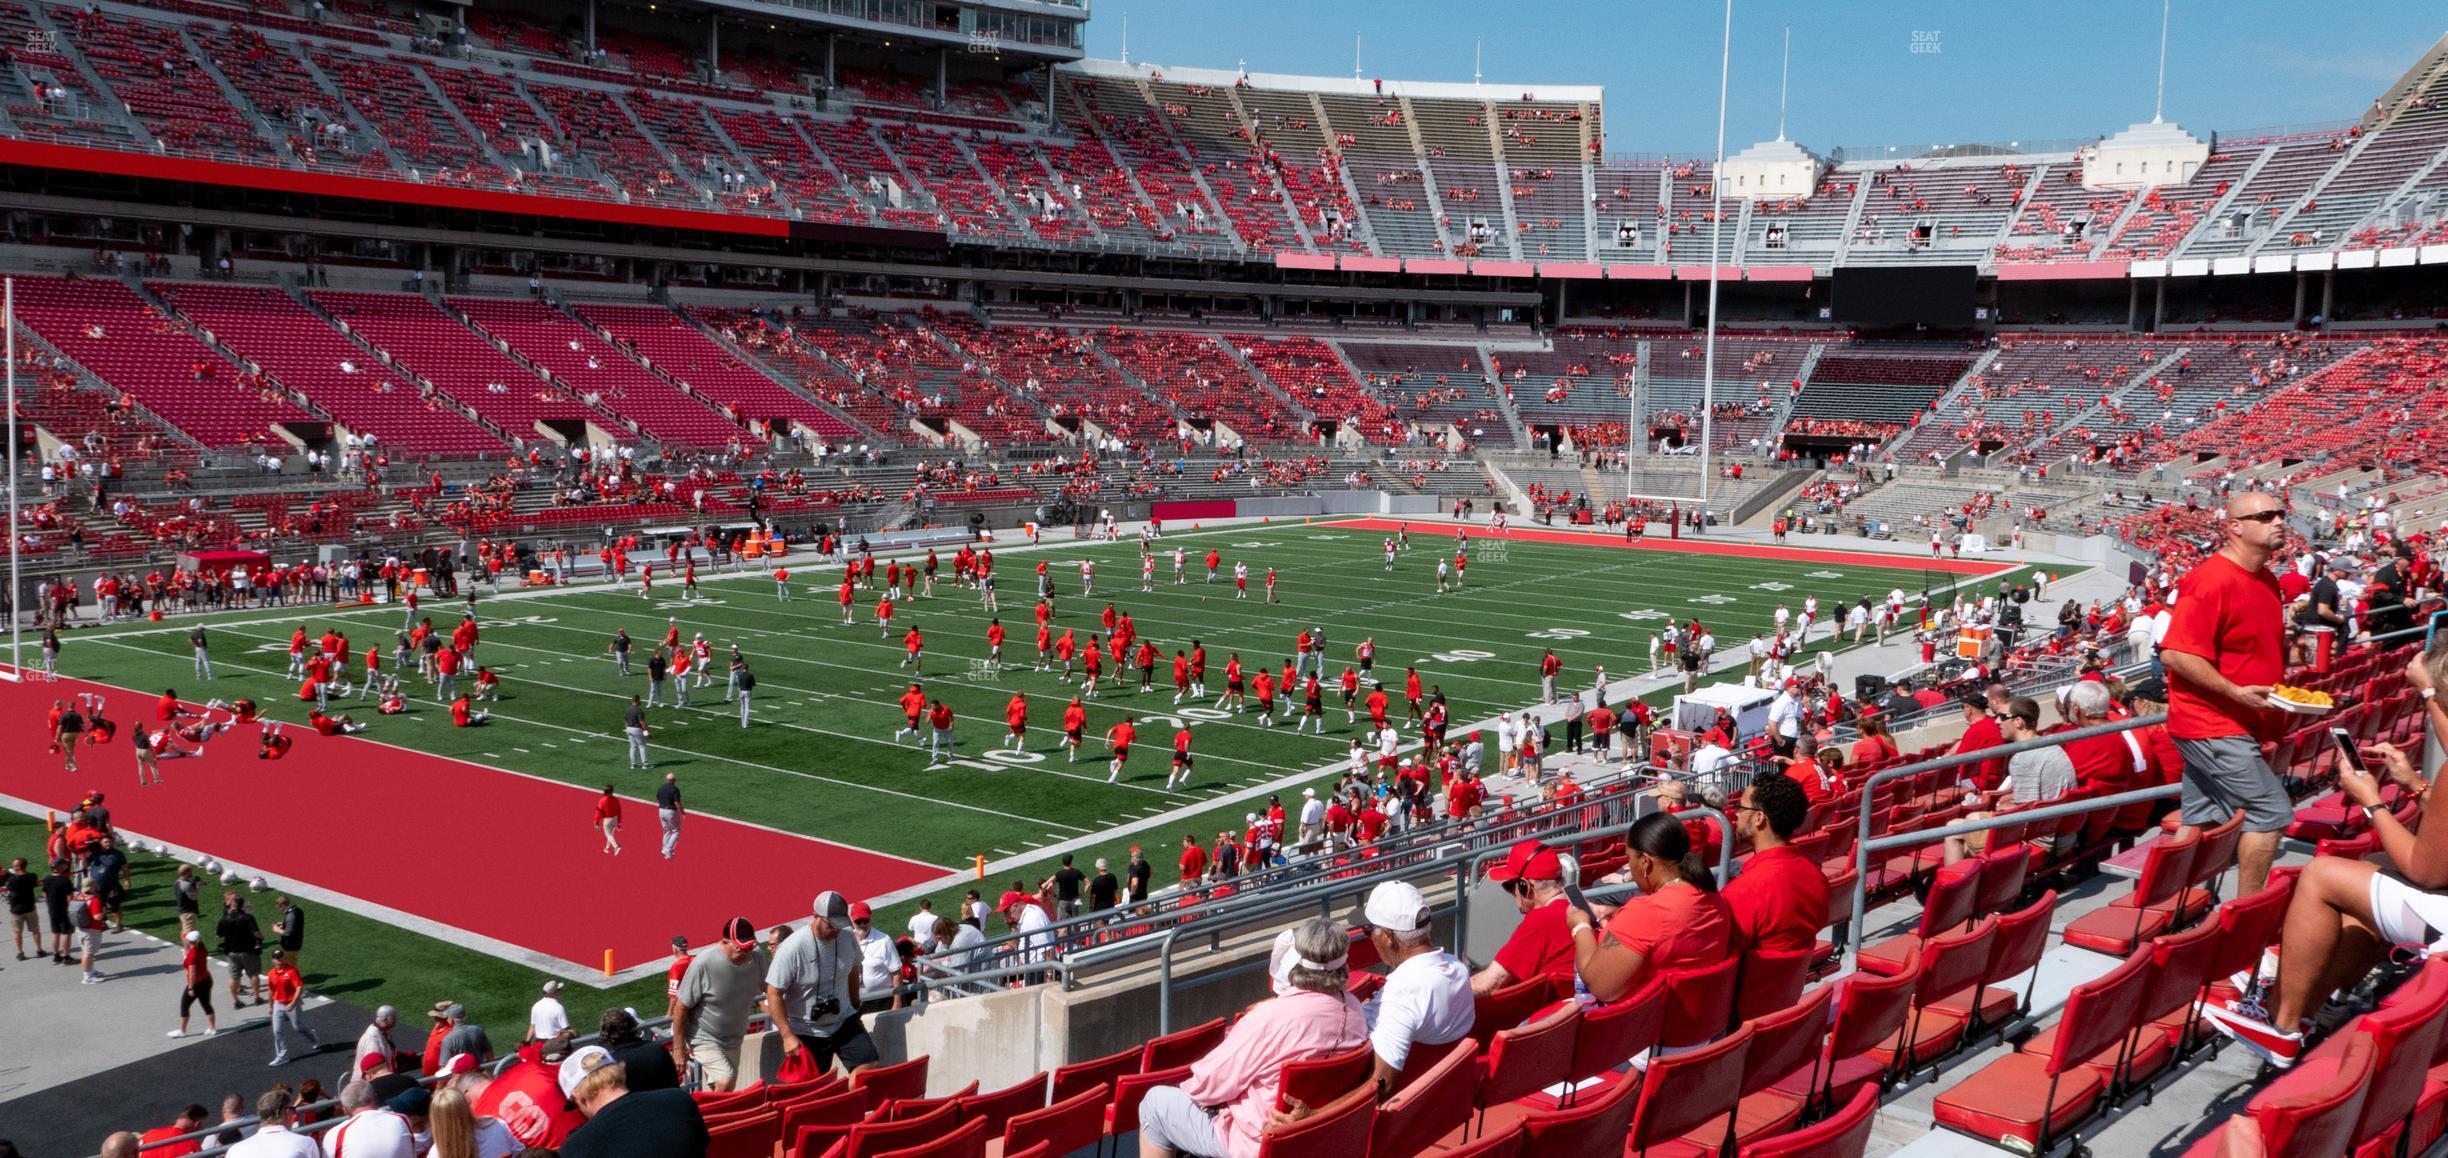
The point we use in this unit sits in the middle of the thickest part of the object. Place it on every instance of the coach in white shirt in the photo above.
(1426, 1000)
(1312, 820)
(546, 1017)
(369, 1131)
(1785, 719)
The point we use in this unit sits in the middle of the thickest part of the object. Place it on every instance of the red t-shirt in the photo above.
(1984, 734)
(527, 1098)
(2233, 618)
(1193, 862)
(1780, 902)
(1678, 927)
(1540, 946)
(174, 1149)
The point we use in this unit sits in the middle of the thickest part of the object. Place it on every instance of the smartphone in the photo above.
(2347, 751)
(1572, 885)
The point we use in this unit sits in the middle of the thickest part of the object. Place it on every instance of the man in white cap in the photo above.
(813, 988)
(547, 1017)
(621, 1122)
(1312, 820)
(1426, 1001)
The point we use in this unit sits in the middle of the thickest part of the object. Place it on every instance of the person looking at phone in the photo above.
(1677, 922)
(2347, 913)
(1540, 946)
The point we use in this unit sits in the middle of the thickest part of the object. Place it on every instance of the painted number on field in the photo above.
(1327, 538)
(1007, 756)
(1824, 575)
(1462, 655)
(1253, 545)
(1772, 587)
(1712, 600)
(683, 604)
(1559, 633)
(1643, 616)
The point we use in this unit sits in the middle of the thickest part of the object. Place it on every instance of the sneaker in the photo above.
(277, 1062)
(2279, 1049)
(176, 1033)
(212, 1033)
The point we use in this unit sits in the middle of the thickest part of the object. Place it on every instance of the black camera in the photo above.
(825, 1006)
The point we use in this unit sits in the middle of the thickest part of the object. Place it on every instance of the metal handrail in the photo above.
(1855, 926)
(1869, 798)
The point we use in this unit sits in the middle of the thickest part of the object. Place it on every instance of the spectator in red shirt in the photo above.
(1981, 731)
(1193, 860)
(1540, 946)
(189, 1121)
(2225, 648)
(1780, 902)
(1677, 922)
(1875, 744)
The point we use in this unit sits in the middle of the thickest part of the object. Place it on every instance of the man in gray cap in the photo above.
(813, 989)
(465, 1036)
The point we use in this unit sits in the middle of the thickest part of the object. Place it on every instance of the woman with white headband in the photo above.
(1222, 1109)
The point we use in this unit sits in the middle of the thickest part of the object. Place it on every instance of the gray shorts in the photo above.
(1170, 1119)
(2225, 775)
(246, 964)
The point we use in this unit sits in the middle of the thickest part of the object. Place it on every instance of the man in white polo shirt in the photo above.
(1426, 1000)
(547, 1017)
(1312, 820)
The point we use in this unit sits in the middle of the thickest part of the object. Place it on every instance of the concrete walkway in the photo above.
(79, 1061)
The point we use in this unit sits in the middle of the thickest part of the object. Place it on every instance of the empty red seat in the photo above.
(1435, 1104)
(1843, 1134)
(1680, 1091)
(2037, 1099)
(2145, 912)
(2316, 1122)
(1182, 1046)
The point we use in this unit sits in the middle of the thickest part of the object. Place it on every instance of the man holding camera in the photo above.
(813, 988)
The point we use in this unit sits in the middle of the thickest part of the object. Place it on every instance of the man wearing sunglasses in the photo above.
(2225, 647)
(1540, 946)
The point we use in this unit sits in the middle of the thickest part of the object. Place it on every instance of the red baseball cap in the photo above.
(1010, 898)
(860, 912)
(1529, 860)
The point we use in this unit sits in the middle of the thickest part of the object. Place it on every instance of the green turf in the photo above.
(821, 758)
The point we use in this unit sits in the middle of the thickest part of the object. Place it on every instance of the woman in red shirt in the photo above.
(1875, 744)
(1677, 922)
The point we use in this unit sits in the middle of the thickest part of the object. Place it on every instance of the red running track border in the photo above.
(509, 859)
(1690, 546)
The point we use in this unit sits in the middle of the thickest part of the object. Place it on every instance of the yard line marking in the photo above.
(929, 800)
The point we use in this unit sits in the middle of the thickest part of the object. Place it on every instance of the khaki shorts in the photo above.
(716, 1062)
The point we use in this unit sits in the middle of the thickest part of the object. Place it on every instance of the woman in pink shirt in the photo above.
(1222, 1110)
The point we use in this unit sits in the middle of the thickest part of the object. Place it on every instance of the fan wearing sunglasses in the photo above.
(1540, 946)
(2225, 647)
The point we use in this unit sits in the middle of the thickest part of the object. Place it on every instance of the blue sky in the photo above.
(2001, 72)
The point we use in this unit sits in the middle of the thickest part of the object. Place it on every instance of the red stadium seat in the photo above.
(1318, 1081)
(1680, 1091)
(881, 1083)
(1436, 1104)
(2129, 920)
(1870, 1011)
(1104, 1071)
(1699, 1003)
(1181, 1047)
(999, 1107)
(1591, 1128)
(1074, 1123)
(2318, 1120)
(1338, 1129)
(1843, 1134)
(2039, 1098)
(968, 1140)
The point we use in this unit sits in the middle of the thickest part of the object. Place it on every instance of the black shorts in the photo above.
(849, 1045)
(1233, 686)
(1181, 759)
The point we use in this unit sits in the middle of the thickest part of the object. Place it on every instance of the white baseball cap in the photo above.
(580, 1063)
(1395, 907)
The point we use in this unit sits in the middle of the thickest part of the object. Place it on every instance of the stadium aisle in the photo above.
(79, 1059)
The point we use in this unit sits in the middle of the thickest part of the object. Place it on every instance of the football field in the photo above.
(817, 792)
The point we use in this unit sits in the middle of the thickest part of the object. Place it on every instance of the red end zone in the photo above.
(1881, 559)
(506, 857)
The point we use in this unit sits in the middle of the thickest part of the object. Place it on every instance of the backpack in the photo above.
(80, 915)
